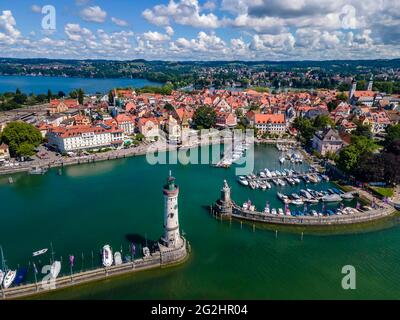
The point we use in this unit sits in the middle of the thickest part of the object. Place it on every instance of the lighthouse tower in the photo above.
(172, 237)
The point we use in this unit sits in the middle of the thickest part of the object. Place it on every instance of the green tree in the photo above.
(348, 158)
(80, 96)
(17, 135)
(322, 121)
(49, 95)
(25, 149)
(392, 134)
(363, 130)
(204, 117)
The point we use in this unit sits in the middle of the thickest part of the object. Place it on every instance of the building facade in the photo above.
(76, 138)
(327, 141)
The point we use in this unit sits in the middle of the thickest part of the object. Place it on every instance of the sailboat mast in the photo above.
(52, 252)
(3, 261)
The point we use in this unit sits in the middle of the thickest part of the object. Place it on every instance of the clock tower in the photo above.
(172, 237)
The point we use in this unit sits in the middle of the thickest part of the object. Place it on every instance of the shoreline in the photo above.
(112, 155)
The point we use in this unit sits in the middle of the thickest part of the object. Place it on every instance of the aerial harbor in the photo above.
(199, 150)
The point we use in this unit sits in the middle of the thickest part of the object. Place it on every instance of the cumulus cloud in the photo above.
(36, 9)
(184, 12)
(93, 14)
(119, 22)
(8, 31)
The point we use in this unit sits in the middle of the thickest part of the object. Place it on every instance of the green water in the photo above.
(111, 202)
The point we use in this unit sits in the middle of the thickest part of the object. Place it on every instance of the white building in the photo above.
(172, 237)
(69, 139)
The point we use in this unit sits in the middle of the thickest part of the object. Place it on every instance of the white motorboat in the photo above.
(273, 211)
(314, 213)
(55, 269)
(268, 173)
(297, 180)
(9, 278)
(117, 258)
(146, 252)
(2, 274)
(297, 202)
(280, 211)
(242, 180)
(282, 160)
(107, 256)
(262, 174)
(40, 252)
(347, 196)
(332, 198)
(266, 210)
(268, 185)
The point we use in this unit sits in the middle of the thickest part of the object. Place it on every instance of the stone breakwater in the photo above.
(164, 257)
(226, 208)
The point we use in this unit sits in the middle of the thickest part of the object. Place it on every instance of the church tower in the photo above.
(370, 83)
(352, 89)
(172, 237)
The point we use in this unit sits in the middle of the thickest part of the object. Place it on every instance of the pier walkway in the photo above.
(240, 213)
(162, 258)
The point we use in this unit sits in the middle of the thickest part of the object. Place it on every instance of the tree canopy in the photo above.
(21, 138)
(205, 117)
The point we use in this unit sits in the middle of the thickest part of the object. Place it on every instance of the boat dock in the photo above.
(226, 208)
(164, 257)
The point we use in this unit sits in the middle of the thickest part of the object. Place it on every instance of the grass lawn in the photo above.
(384, 192)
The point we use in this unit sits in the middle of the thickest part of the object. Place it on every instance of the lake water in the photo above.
(117, 201)
(37, 85)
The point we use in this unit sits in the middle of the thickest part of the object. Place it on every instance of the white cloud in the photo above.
(169, 31)
(119, 22)
(8, 31)
(155, 36)
(36, 9)
(184, 12)
(93, 14)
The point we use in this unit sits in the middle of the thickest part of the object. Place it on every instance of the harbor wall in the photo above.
(162, 258)
(239, 213)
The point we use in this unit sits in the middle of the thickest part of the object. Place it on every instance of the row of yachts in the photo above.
(248, 206)
(313, 196)
(280, 178)
(234, 155)
(109, 259)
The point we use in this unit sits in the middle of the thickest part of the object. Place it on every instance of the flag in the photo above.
(71, 260)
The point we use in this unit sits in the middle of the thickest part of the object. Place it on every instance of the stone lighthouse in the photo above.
(172, 237)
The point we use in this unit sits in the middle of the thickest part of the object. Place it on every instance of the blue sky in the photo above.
(203, 29)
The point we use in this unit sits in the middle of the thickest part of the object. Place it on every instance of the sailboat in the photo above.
(9, 278)
(55, 268)
(8, 275)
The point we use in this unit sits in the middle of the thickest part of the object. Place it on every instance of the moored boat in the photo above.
(117, 258)
(55, 269)
(40, 252)
(107, 256)
(9, 278)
